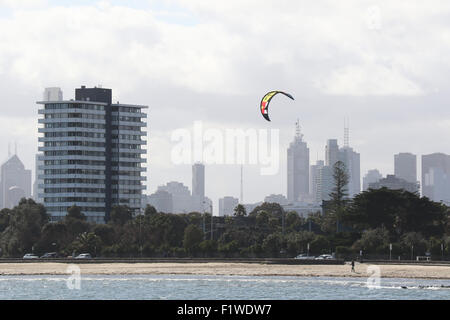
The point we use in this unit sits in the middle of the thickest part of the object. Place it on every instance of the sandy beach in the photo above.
(241, 269)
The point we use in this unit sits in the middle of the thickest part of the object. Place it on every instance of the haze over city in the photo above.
(373, 64)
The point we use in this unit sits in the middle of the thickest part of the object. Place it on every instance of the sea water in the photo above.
(193, 287)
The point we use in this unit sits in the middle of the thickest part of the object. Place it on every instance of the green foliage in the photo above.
(193, 236)
(240, 211)
(74, 212)
(120, 215)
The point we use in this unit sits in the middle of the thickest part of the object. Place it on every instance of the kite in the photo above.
(264, 106)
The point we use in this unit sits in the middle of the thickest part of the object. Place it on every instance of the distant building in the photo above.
(162, 201)
(372, 176)
(227, 205)
(394, 183)
(181, 196)
(405, 166)
(198, 187)
(438, 182)
(15, 182)
(315, 181)
(297, 167)
(351, 160)
(331, 152)
(276, 198)
(434, 161)
(53, 94)
(303, 209)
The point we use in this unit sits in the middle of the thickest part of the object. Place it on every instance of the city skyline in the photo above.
(168, 56)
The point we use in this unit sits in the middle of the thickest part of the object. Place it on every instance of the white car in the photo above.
(304, 256)
(30, 256)
(324, 257)
(83, 256)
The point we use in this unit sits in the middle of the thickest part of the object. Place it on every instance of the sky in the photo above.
(383, 65)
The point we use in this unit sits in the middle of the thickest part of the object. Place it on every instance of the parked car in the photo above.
(49, 255)
(304, 256)
(324, 257)
(84, 256)
(30, 256)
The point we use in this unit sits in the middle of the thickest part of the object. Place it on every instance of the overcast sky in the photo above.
(382, 64)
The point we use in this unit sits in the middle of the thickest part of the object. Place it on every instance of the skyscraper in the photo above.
(297, 167)
(331, 152)
(433, 161)
(405, 166)
(372, 176)
(92, 154)
(315, 181)
(15, 182)
(227, 205)
(351, 160)
(198, 180)
(198, 187)
(53, 94)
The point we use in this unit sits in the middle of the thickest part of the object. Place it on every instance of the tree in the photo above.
(240, 211)
(193, 236)
(340, 191)
(87, 242)
(373, 241)
(120, 215)
(150, 210)
(74, 212)
(24, 229)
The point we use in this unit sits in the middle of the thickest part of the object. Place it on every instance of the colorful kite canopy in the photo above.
(264, 106)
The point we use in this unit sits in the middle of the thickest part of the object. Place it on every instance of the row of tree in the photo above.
(372, 222)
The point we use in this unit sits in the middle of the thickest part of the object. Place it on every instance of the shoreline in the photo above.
(407, 271)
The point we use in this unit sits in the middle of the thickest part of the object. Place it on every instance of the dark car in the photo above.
(49, 255)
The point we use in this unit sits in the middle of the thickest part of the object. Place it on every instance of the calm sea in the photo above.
(191, 287)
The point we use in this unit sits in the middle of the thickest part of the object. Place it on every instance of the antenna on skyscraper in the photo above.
(298, 133)
(346, 132)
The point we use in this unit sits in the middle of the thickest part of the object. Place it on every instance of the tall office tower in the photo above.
(331, 152)
(439, 183)
(297, 167)
(405, 166)
(315, 181)
(198, 187)
(53, 94)
(227, 205)
(433, 161)
(351, 160)
(372, 176)
(15, 182)
(198, 180)
(92, 154)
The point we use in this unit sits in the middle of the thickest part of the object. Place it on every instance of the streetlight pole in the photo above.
(211, 222)
(390, 251)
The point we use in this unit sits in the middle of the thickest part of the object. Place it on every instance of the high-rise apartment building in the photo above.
(227, 205)
(92, 154)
